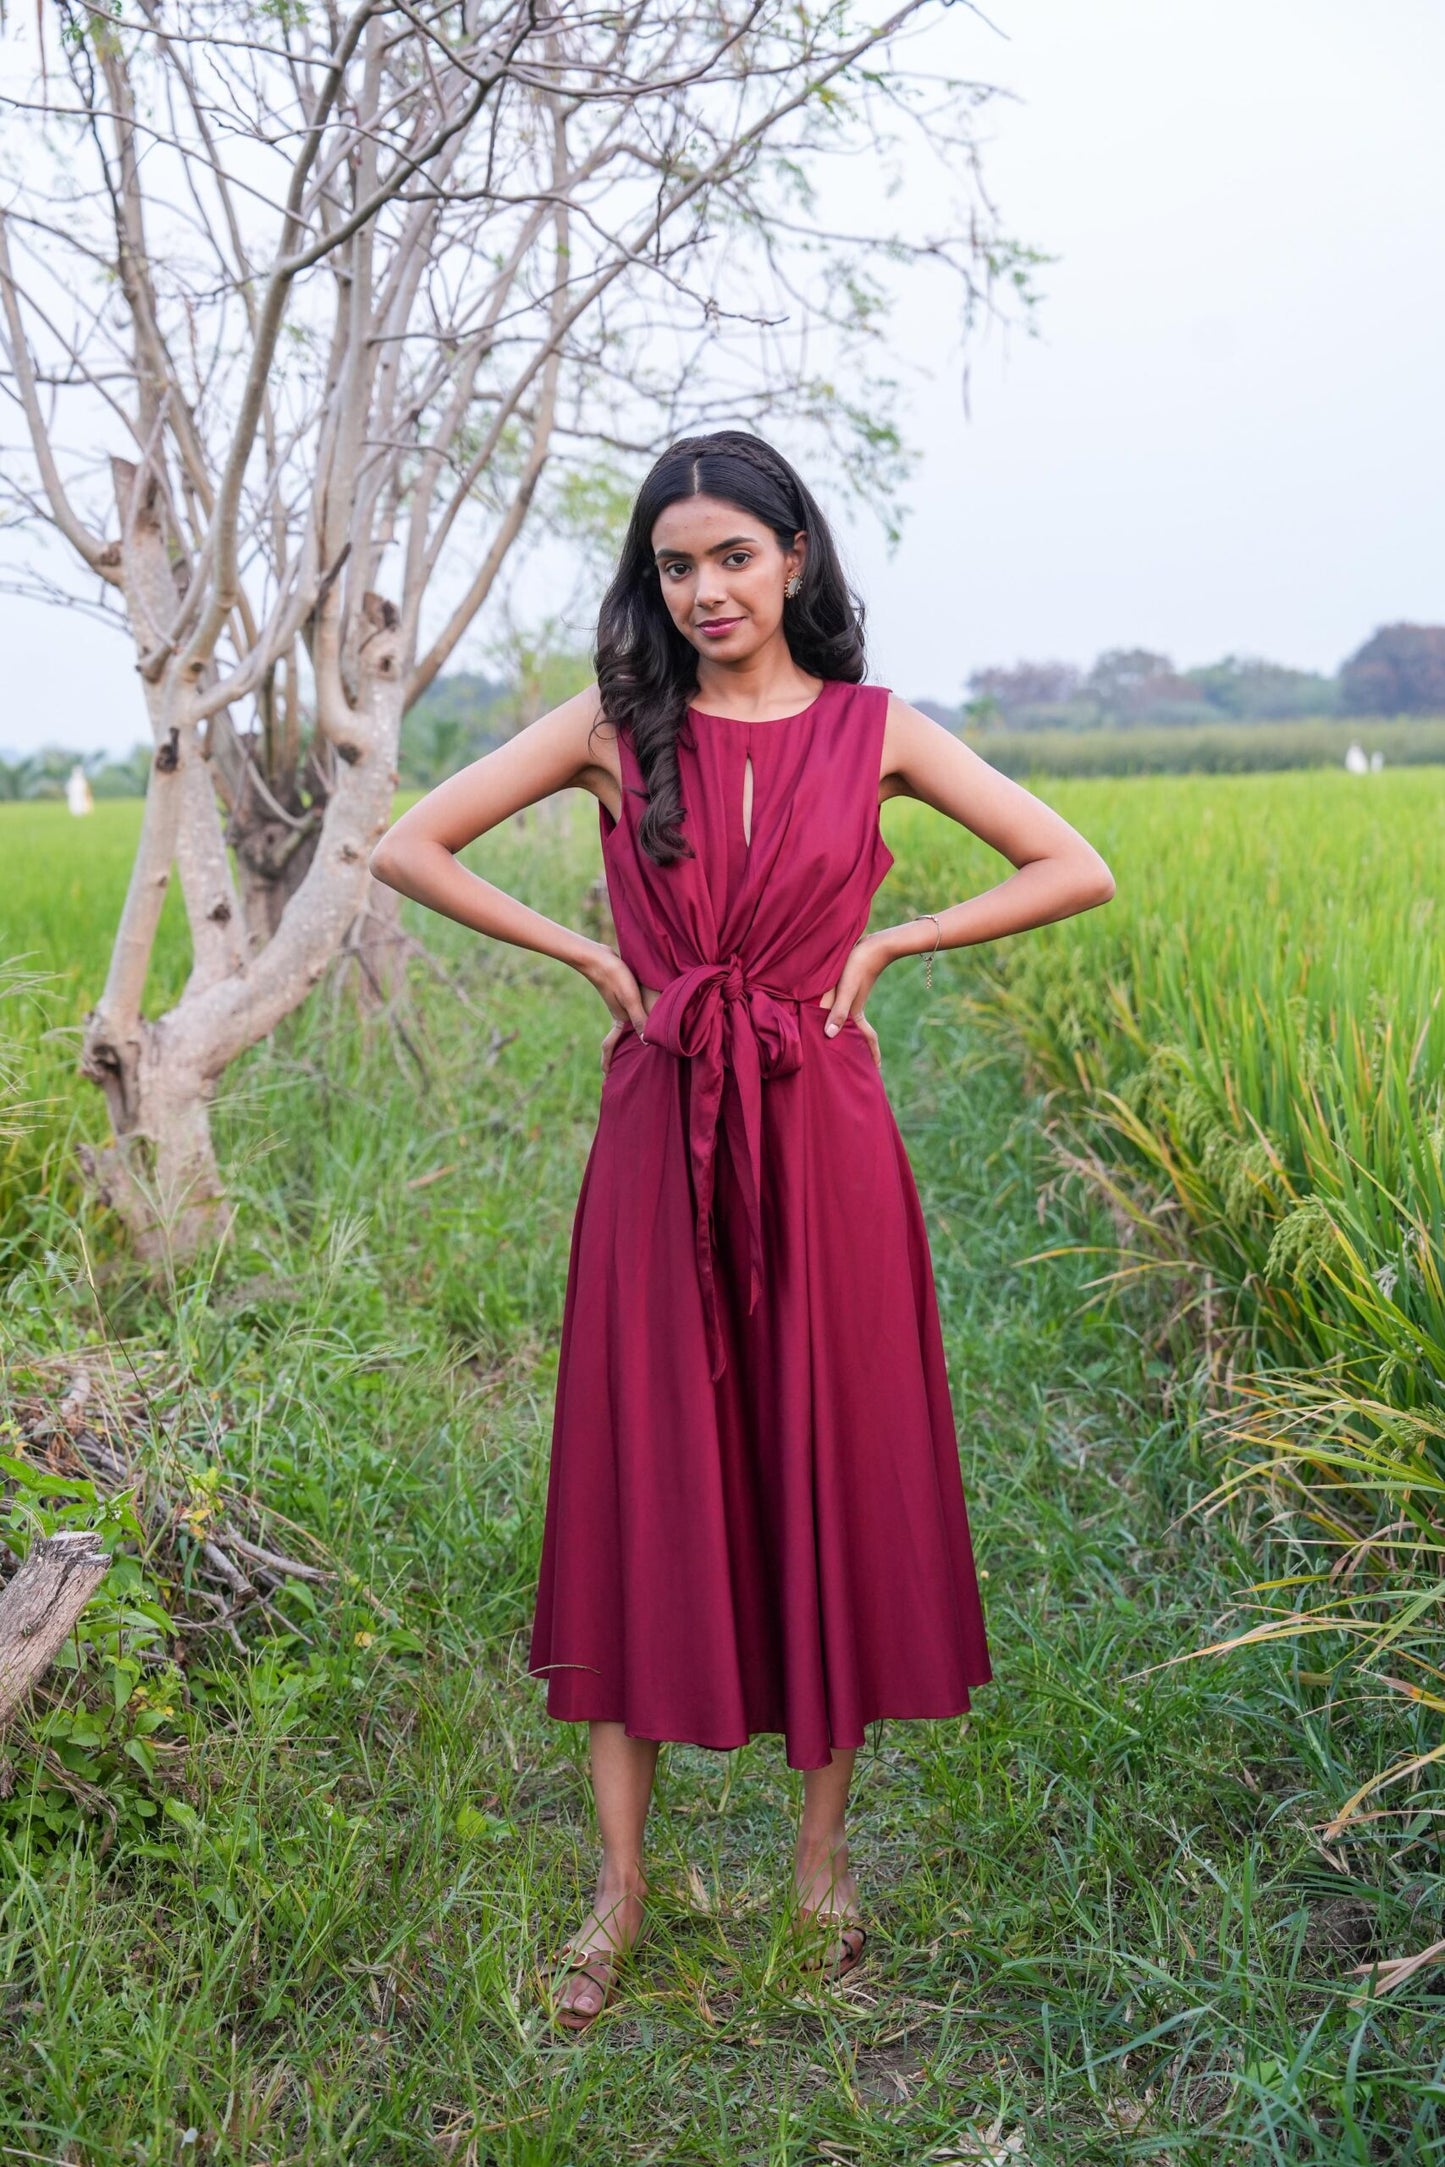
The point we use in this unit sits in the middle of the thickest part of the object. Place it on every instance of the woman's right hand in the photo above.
(620, 990)
(610, 1042)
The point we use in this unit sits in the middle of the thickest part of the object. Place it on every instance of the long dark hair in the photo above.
(647, 671)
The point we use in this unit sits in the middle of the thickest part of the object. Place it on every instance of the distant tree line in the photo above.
(1220, 747)
(463, 715)
(1400, 670)
(458, 718)
(43, 774)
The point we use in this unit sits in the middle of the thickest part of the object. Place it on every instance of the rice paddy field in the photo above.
(1181, 1165)
(1212, 748)
(1252, 1058)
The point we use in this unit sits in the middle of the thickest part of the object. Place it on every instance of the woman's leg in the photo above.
(821, 1874)
(622, 1773)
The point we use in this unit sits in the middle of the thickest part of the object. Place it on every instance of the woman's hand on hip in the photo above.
(627, 1002)
(608, 1043)
(867, 960)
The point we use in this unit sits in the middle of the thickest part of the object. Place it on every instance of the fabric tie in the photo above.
(728, 1028)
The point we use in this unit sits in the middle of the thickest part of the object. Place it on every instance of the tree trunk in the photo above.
(160, 1174)
(39, 1607)
(375, 949)
(273, 857)
(275, 794)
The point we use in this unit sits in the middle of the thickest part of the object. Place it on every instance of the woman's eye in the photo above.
(738, 556)
(674, 571)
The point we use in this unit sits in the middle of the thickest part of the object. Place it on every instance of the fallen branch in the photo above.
(106, 1430)
(39, 1608)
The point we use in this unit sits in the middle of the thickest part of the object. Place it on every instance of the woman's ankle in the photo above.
(819, 1847)
(621, 1878)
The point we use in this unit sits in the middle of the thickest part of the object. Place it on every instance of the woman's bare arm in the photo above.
(1057, 872)
(417, 855)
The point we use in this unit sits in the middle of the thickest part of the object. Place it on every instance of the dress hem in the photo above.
(666, 1735)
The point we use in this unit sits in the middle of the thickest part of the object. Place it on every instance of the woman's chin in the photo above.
(730, 647)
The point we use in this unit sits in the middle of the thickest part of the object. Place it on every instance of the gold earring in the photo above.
(793, 585)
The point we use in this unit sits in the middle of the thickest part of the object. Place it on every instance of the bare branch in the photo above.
(95, 552)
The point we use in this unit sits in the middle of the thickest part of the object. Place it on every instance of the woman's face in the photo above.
(722, 574)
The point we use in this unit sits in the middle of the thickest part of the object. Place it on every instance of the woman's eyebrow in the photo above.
(719, 549)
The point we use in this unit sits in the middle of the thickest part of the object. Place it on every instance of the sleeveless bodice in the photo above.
(790, 903)
(743, 933)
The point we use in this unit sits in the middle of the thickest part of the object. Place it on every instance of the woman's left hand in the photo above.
(867, 961)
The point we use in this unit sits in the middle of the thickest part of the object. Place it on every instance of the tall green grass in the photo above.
(1246, 1052)
(65, 881)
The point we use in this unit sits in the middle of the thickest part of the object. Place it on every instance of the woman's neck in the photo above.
(766, 685)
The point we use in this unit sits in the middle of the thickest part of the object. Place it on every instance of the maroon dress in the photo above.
(755, 1516)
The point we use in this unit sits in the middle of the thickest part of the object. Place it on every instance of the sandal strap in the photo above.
(570, 1960)
(843, 1922)
(845, 1927)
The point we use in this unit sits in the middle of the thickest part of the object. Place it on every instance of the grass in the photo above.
(1107, 1927)
(1256, 1032)
(1247, 1054)
(64, 884)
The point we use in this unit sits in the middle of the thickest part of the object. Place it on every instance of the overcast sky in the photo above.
(1227, 436)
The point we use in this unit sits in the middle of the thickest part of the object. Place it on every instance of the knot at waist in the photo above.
(738, 1034)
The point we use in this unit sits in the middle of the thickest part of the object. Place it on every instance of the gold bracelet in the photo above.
(933, 951)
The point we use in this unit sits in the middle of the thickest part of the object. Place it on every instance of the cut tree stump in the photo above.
(39, 1606)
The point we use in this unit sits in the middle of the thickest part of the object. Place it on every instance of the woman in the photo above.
(755, 1517)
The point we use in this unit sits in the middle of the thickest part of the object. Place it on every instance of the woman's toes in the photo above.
(584, 1993)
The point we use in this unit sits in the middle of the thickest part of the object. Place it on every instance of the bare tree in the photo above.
(307, 311)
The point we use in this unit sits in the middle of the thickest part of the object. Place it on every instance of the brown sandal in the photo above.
(612, 1962)
(851, 1957)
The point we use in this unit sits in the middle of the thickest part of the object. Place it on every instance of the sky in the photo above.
(1227, 434)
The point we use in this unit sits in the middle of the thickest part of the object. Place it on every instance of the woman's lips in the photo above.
(717, 627)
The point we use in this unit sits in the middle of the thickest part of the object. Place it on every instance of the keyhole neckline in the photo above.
(739, 722)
